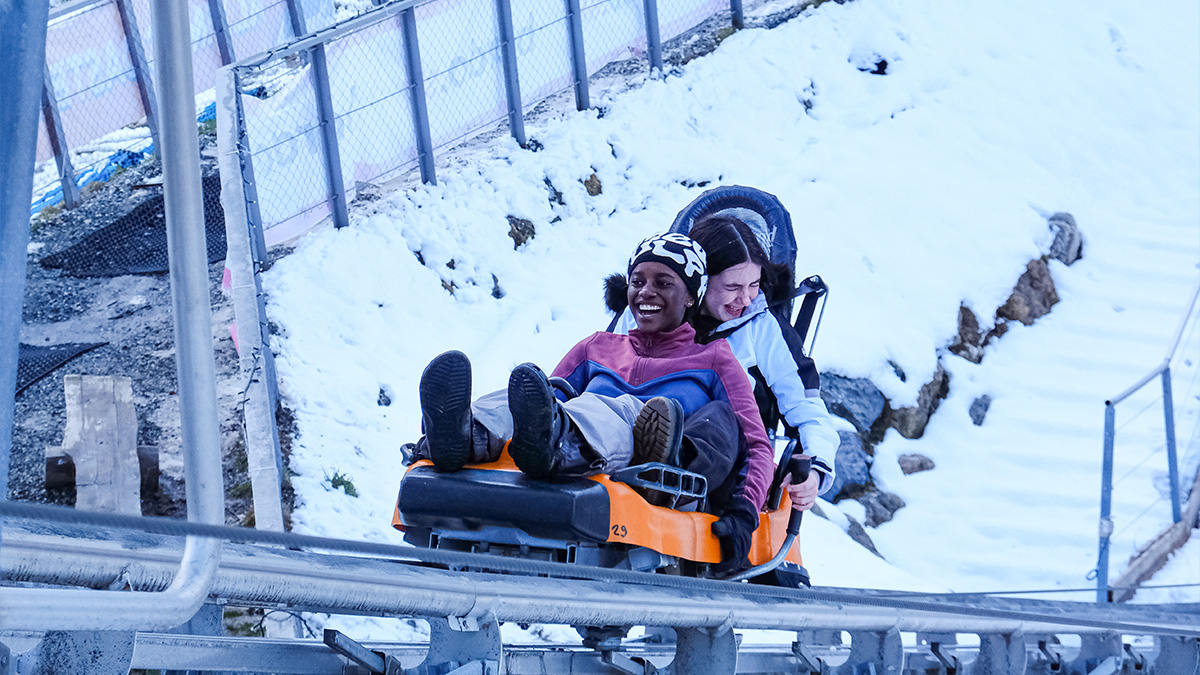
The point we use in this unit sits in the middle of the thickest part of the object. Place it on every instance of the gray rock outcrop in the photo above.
(1033, 295)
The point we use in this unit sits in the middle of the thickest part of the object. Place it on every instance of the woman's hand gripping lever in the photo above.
(797, 469)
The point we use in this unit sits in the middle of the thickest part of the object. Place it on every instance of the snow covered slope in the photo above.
(912, 192)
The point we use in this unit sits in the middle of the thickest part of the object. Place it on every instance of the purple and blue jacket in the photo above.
(673, 365)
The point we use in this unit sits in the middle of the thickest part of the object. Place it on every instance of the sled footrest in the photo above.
(679, 485)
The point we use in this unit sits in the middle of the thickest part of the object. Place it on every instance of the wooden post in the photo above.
(101, 441)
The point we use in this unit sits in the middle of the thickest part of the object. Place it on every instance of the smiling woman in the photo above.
(654, 395)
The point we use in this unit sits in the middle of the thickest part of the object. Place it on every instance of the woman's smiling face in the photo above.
(657, 297)
(730, 292)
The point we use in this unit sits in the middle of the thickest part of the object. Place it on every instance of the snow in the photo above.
(912, 193)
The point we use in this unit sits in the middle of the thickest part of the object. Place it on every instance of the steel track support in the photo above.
(705, 651)
(1177, 655)
(1099, 655)
(470, 646)
(1000, 654)
(874, 653)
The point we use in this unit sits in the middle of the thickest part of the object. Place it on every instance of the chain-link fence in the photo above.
(99, 104)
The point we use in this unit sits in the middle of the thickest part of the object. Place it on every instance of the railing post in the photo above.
(327, 122)
(1106, 524)
(1172, 461)
(141, 69)
(416, 80)
(736, 14)
(333, 156)
(653, 38)
(58, 143)
(578, 60)
(512, 84)
(23, 42)
(216, 10)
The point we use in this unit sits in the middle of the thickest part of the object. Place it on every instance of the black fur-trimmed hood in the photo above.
(615, 293)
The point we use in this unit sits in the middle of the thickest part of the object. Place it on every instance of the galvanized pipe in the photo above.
(512, 81)
(416, 81)
(1106, 524)
(1172, 460)
(369, 586)
(58, 143)
(578, 59)
(80, 609)
(653, 36)
(23, 43)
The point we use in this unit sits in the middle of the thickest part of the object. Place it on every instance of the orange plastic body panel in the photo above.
(684, 534)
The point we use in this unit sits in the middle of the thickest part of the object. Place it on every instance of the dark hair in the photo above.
(729, 241)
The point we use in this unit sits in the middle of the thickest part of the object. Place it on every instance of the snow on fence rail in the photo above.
(302, 126)
(99, 77)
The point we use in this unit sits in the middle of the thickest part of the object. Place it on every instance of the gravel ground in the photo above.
(133, 315)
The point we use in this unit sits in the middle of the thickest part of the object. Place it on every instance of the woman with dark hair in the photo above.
(743, 283)
(652, 395)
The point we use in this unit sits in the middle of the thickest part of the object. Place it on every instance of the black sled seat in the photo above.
(473, 499)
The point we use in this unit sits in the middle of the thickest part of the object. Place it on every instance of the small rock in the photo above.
(859, 534)
(911, 421)
(1033, 295)
(970, 341)
(912, 462)
(1068, 240)
(880, 505)
(384, 399)
(592, 183)
(855, 399)
(979, 408)
(521, 230)
(852, 466)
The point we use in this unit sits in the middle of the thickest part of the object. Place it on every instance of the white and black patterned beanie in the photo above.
(681, 253)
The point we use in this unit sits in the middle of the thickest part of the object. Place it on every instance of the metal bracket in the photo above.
(453, 651)
(1136, 660)
(374, 662)
(808, 660)
(1053, 658)
(625, 664)
(705, 651)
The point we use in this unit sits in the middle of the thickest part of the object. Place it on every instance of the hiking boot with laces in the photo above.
(658, 432)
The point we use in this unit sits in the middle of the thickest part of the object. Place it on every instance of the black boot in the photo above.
(446, 410)
(538, 421)
(658, 432)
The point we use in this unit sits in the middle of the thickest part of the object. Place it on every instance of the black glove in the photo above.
(735, 528)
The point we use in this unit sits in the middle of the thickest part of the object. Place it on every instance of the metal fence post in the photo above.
(141, 70)
(58, 143)
(578, 60)
(512, 84)
(1106, 525)
(23, 42)
(329, 139)
(1172, 461)
(412, 57)
(216, 10)
(736, 13)
(327, 122)
(653, 38)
